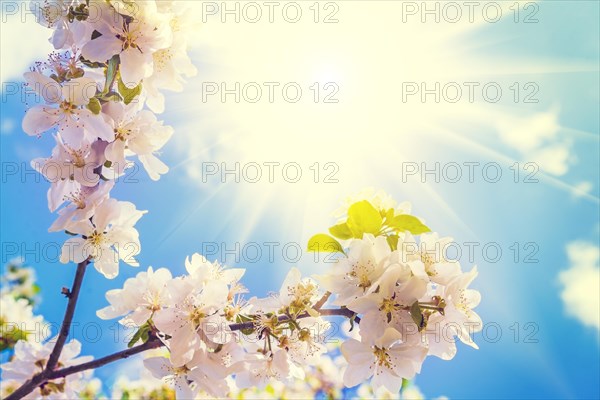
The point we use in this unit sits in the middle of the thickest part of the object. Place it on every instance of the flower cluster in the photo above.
(112, 58)
(18, 296)
(100, 92)
(321, 381)
(31, 358)
(411, 302)
(412, 299)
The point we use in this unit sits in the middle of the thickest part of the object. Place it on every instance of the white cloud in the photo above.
(536, 137)
(582, 188)
(23, 41)
(528, 134)
(553, 159)
(581, 292)
(7, 126)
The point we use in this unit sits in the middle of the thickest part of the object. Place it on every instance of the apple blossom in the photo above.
(357, 274)
(65, 110)
(193, 317)
(54, 14)
(82, 206)
(97, 91)
(31, 358)
(137, 132)
(134, 41)
(386, 359)
(18, 323)
(139, 299)
(107, 237)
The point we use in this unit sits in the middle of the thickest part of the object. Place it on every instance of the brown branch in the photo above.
(39, 379)
(341, 312)
(322, 301)
(61, 373)
(68, 318)
(153, 343)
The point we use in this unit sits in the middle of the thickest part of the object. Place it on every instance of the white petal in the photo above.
(39, 119)
(135, 66)
(102, 48)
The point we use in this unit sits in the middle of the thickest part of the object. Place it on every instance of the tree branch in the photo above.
(153, 343)
(39, 379)
(68, 318)
(341, 312)
(150, 344)
(322, 301)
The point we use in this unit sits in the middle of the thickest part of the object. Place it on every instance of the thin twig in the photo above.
(342, 312)
(153, 343)
(41, 378)
(61, 373)
(68, 318)
(322, 301)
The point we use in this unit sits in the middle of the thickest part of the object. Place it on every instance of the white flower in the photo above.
(358, 273)
(178, 377)
(66, 110)
(108, 237)
(389, 308)
(30, 359)
(69, 168)
(296, 295)
(133, 41)
(305, 345)
(138, 132)
(262, 368)
(18, 280)
(458, 319)
(172, 63)
(429, 257)
(140, 297)
(83, 203)
(141, 388)
(53, 14)
(387, 359)
(212, 366)
(193, 317)
(18, 322)
(202, 271)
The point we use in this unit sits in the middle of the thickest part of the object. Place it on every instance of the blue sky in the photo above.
(543, 352)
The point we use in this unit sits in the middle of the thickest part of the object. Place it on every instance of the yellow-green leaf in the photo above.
(111, 73)
(341, 231)
(127, 93)
(393, 242)
(94, 106)
(417, 316)
(405, 222)
(325, 244)
(363, 218)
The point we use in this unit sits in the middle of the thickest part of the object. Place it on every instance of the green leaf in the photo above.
(94, 106)
(91, 64)
(141, 333)
(417, 316)
(363, 218)
(405, 222)
(341, 231)
(324, 243)
(393, 242)
(111, 73)
(389, 214)
(127, 93)
(112, 96)
(36, 288)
